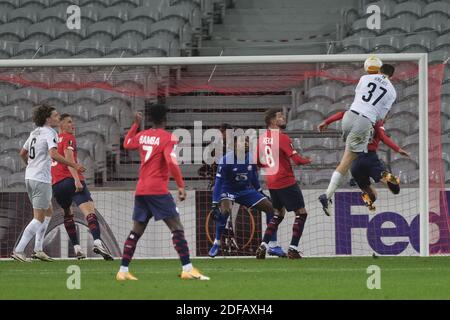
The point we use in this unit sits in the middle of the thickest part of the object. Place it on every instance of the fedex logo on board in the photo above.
(387, 232)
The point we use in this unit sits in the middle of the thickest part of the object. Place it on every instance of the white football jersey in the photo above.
(374, 96)
(38, 144)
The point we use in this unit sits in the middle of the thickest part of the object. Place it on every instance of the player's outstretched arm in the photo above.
(335, 117)
(130, 142)
(389, 142)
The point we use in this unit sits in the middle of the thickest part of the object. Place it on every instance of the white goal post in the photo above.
(419, 58)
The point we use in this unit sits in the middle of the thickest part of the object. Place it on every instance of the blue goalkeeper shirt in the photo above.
(233, 177)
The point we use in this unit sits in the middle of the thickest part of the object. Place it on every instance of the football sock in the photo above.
(335, 182)
(69, 224)
(273, 239)
(271, 228)
(129, 248)
(123, 269)
(181, 246)
(93, 225)
(28, 234)
(297, 228)
(40, 235)
(187, 267)
(220, 225)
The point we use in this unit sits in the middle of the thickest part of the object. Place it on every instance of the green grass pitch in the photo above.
(310, 278)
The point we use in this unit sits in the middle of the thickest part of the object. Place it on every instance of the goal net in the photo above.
(101, 97)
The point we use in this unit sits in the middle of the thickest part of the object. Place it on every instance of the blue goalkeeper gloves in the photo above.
(216, 211)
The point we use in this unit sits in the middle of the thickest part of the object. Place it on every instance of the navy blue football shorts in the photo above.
(290, 198)
(367, 165)
(64, 193)
(159, 206)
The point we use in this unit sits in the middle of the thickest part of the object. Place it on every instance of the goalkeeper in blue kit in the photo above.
(237, 181)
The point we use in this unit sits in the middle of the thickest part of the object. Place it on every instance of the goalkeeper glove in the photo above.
(216, 211)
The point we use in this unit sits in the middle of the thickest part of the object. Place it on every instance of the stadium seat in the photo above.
(419, 43)
(318, 107)
(110, 112)
(437, 9)
(12, 146)
(408, 8)
(93, 129)
(397, 125)
(148, 15)
(401, 24)
(326, 91)
(127, 3)
(93, 46)
(9, 4)
(175, 28)
(14, 111)
(23, 131)
(114, 14)
(60, 46)
(29, 49)
(66, 3)
(58, 98)
(300, 124)
(337, 107)
(123, 46)
(321, 176)
(7, 49)
(90, 13)
(359, 28)
(442, 43)
(390, 42)
(13, 31)
(105, 30)
(94, 3)
(428, 24)
(187, 12)
(133, 29)
(43, 31)
(34, 4)
(155, 4)
(24, 95)
(54, 14)
(345, 92)
(411, 91)
(16, 180)
(80, 112)
(355, 42)
(10, 163)
(5, 131)
(160, 46)
(22, 15)
(409, 107)
(86, 95)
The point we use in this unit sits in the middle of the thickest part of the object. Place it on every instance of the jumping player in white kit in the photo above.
(37, 153)
(374, 96)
